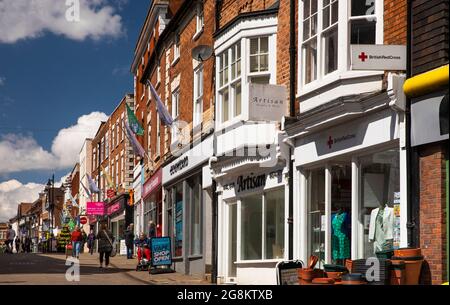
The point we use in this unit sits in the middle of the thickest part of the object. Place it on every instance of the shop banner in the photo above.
(152, 183)
(95, 208)
(113, 208)
(161, 251)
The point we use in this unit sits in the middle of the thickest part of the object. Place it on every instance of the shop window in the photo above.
(380, 199)
(262, 226)
(341, 204)
(195, 211)
(178, 221)
(316, 214)
(251, 228)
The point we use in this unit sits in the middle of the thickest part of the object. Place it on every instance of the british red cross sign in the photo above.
(378, 57)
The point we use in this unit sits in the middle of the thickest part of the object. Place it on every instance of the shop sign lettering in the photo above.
(183, 163)
(161, 251)
(250, 182)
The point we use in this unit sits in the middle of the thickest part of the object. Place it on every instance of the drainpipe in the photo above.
(412, 167)
(292, 51)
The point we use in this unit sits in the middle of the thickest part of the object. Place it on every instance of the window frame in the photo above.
(199, 21)
(344, 36)
(176, 49)
(175, 113)
(197, 115)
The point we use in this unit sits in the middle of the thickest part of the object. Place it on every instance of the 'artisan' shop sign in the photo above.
(250, 182)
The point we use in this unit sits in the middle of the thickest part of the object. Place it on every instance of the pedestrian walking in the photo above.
(76, 239)
(27, 244)
(91, 241)
(83, 240)
(129, 239)
(10, 235)
(17, 242)
(151, 229)
(105, 245)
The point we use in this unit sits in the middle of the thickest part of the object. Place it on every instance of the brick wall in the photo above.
(395, 21)
(433, 214)
(231, 8)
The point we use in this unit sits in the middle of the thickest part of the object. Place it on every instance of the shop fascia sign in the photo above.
(267, 102)
(378, 57)
(334, 140)
(246, 183)
(152, 183)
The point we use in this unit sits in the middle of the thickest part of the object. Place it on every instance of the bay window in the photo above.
(325, 22)
(230, 82)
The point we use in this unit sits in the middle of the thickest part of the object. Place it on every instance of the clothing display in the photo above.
(381, 228)
(339, 237)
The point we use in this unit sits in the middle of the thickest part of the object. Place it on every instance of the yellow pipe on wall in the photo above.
(426, 82)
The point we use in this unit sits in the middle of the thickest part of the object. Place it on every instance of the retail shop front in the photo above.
(349, 183)
(120, 215)
(187, 204)
(152, 208)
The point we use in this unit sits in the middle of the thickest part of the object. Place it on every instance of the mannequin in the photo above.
(380, 228)
(340, 236)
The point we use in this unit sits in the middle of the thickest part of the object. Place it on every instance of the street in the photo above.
(50, 269)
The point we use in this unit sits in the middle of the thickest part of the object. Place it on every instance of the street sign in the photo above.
(378, 57)
(83, 220)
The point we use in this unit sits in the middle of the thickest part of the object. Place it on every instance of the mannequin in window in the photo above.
(340, 232)
(380, 228)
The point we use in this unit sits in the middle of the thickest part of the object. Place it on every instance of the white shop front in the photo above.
(350, 184)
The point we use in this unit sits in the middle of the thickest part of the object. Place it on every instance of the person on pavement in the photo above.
(143, 244)
(83, 240)
(105, 245)
(76, 239)
(17, 244)
(129, 238)
(151, 229)
(91, 241)
(10, 235)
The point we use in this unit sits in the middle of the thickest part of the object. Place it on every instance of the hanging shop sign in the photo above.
(267, 102)
(110, 193)
(161, 251)
(95, 208)
(153, 183)
(429, 118)
(83, 220)
(378, 57)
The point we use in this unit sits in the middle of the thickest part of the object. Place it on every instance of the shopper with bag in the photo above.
(106, 247)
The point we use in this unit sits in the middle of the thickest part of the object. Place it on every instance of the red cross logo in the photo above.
(362, 56)
(330, 142)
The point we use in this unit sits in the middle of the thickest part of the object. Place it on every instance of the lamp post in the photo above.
(51, 206)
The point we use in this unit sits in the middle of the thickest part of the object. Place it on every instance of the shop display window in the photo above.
(178, 221)
(380, 200)
(341, 203)
(316, 215)
(195, 211)
(262, 225)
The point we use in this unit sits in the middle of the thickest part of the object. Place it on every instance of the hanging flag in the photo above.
(164, 115)
(85, 189)
(73, 201)
(92, 186)
(108, 177)
(137, 147)
(133, 122)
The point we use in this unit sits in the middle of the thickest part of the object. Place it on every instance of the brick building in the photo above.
(112, 167)
(176, 201)
(348, 137)
(427, 89)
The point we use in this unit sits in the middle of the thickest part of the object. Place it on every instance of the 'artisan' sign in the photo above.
(250, 182)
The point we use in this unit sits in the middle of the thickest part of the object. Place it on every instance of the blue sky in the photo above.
(51, 81)
(53, 73)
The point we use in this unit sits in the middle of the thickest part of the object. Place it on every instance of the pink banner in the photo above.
(113, 208)
(95, 208)
(152, 183)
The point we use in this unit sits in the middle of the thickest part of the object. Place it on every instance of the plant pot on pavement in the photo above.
(407, 252)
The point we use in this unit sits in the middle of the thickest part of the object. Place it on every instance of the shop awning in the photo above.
(426, 82)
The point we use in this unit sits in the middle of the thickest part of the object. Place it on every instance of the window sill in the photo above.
(334, 77)
(257, 261)
(175, 61)
(197, 35)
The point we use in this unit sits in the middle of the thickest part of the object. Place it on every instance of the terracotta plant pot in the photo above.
(334, 275)
(397, 272)
(323, 281)
(408, 252)
(306, 274)
(349, 265)
(412, 271)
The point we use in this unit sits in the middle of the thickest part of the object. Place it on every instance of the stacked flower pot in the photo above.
(406, 266)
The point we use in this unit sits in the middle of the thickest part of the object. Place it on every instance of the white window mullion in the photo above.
(328, 203)
(263, 229)
(238, 232)
(343, 36)
(320, 49)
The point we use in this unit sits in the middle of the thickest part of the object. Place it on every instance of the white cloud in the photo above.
(22, 153)
(25, 19)
(13, 192)
(2, 80)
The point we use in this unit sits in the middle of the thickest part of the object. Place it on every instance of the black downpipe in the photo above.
(292, 51)
(412, 166)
